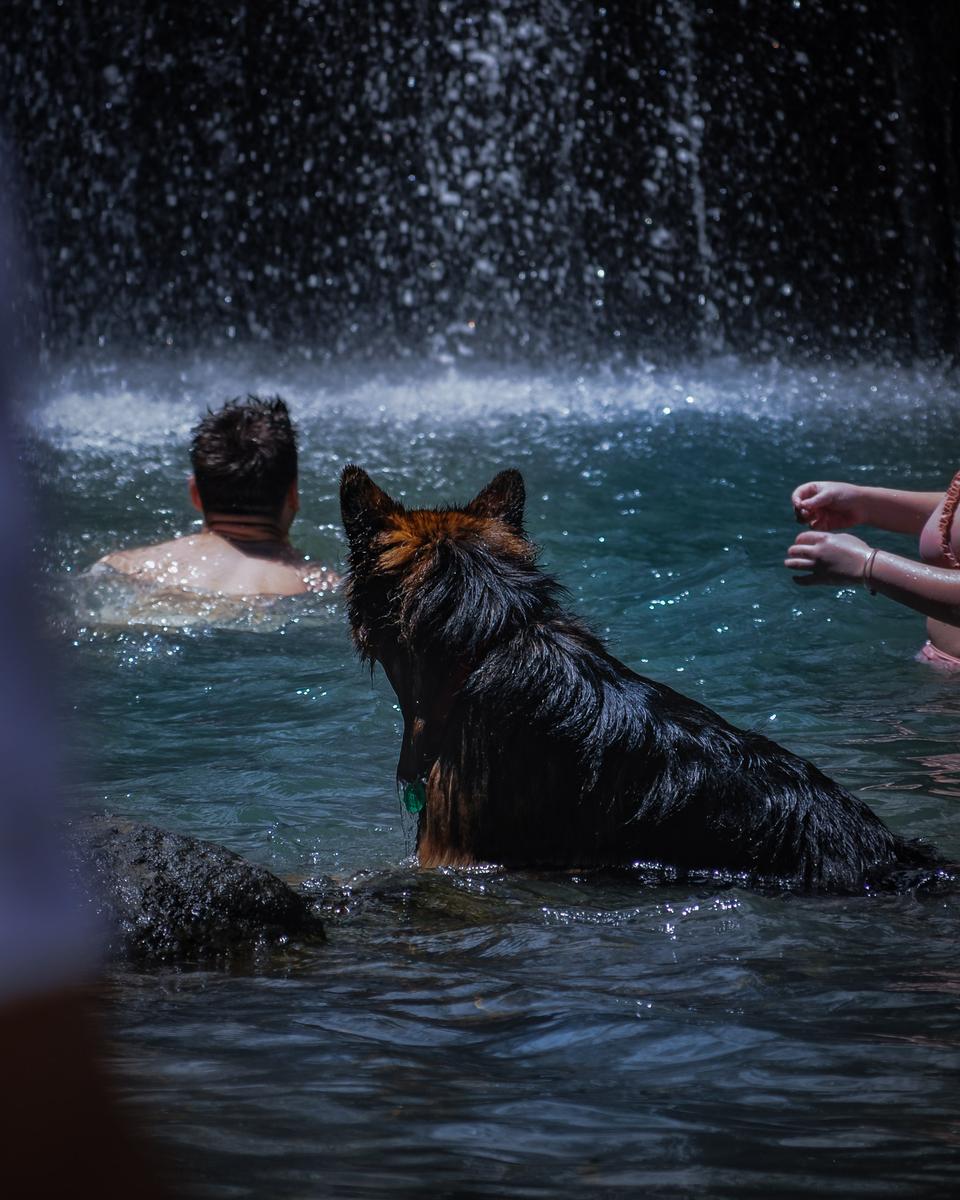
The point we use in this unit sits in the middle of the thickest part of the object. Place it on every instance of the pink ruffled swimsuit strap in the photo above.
(950, 505)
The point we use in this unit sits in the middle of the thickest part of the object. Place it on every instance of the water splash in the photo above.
(518, 181)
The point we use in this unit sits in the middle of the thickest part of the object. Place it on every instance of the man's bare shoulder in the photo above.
(149, 560)
(317, 578)
(204, 563)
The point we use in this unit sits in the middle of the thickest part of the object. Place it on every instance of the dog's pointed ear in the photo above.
(503, 498)
(363, 505)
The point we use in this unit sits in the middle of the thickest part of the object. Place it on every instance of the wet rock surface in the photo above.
(166, 896)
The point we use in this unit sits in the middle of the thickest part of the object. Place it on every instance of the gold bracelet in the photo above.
(867, 577)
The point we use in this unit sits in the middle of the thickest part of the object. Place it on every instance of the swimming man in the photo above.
(244, 482)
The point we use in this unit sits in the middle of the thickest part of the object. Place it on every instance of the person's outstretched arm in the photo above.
(840, 558)
(826, 506)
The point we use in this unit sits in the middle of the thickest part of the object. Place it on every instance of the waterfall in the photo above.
(689, 134)
(513, 180)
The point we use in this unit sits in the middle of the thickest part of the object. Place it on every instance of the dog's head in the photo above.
(429, 590)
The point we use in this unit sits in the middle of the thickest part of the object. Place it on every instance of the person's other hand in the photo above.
(826, 506)
(829, 557)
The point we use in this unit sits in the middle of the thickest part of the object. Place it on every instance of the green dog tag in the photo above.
(414, 797)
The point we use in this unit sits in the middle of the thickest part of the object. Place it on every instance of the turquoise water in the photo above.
(504, 1034)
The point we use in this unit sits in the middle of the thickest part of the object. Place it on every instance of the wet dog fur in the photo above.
(537, 748)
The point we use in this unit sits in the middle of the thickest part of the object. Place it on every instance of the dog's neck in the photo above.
(429, 731)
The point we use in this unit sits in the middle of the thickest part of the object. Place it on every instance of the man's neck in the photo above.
(253, 534)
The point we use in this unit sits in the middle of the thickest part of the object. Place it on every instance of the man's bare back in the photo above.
(207, 562)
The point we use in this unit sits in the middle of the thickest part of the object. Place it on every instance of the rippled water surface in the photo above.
(505, 1034)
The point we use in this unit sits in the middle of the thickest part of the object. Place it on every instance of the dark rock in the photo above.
(168, 896)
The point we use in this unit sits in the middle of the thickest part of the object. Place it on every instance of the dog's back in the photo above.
(534, 747)
(577, 761)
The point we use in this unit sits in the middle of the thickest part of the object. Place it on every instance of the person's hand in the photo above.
(824, 505)
(829, 557)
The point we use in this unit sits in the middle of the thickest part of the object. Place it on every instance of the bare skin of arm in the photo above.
(827, 506)
(841, 558)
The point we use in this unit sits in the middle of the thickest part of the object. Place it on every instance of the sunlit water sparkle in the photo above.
(510, 1034)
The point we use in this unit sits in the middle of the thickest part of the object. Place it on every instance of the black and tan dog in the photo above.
(526, 744)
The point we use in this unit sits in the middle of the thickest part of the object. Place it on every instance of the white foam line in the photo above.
(136, 405)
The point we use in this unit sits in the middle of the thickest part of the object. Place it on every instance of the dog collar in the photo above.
(415, 796)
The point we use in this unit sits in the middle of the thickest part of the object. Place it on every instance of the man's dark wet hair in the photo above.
(244, 456)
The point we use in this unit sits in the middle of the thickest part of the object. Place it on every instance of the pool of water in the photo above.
(507, 1034)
